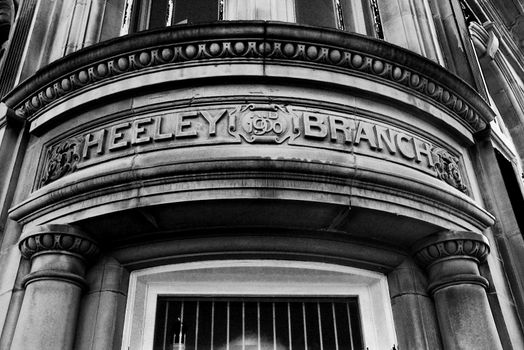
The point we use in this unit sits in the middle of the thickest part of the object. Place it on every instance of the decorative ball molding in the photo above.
(450, 245)
(57, 238)
(252, 42)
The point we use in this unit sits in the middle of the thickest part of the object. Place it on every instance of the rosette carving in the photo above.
(447, 168)
(59, 238)
(61, 159)
(452, 244)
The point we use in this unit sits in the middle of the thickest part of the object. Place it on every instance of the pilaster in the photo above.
(413, 309)
(451, 259)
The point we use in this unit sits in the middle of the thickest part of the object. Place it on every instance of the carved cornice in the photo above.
(451, 245)
(253, 42)
(57, 238)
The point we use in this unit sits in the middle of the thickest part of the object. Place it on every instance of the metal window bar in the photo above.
(243, 326)
(212, 323)
(222, 324)
(258, 324)
(320, 327)
(165, 325)
(289, 326)
(349, 325)
(274, 328)
(305, 325)
(334, 325)
(196, 323)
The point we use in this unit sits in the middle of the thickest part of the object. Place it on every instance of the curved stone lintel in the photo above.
(57, 238)
(449, 245)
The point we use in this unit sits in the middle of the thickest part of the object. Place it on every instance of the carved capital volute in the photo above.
(452, 257)
(57, 252)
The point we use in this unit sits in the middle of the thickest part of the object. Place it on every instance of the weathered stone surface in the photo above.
(464, 315)
(53, 287)
(413, 309)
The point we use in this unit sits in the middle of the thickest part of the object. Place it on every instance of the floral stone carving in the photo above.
(61, 159)
(447, 168)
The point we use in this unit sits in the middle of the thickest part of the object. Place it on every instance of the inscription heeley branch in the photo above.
(251, 123)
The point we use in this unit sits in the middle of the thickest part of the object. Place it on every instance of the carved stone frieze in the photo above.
(447, 168)
(342, 58)
(254, 123)
(58, 238)
(452, 244)
(61, 159)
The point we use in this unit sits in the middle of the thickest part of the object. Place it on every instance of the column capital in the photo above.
(64, 239)
(452, 258)
(447, 245)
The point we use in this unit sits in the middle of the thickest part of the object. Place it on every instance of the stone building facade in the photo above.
(294, 174)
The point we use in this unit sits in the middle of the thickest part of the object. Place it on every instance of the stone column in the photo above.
(451, 259)
(53, 288)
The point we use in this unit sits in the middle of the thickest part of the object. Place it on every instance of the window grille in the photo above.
(257, 324)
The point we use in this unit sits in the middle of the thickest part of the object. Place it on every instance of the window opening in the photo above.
(511, 182)
(340, 14)
(469, 15)
(257, 323)
(320, 13)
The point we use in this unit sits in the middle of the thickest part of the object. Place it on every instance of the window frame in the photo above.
(279, 279)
